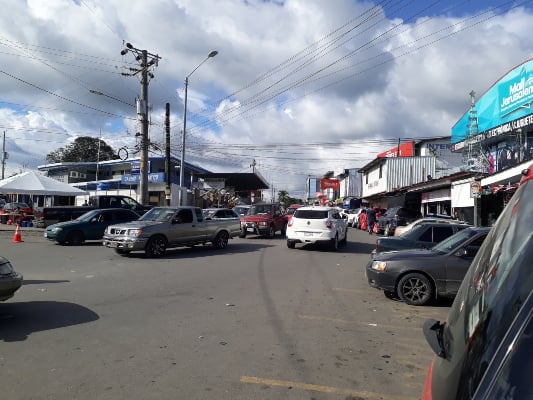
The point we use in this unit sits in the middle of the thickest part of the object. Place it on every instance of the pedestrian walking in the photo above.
(371, 217)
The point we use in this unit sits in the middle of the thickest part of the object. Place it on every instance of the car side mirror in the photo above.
(433, 331)
(461, 252)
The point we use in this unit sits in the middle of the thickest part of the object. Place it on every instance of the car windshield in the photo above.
(454, 241)
(159, 214)
(415, 232)
(260, 210)
(88, 215)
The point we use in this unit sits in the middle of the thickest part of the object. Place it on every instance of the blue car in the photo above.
(89, 226)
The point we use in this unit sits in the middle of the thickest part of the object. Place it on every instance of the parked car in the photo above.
(396, 216)
(483, 349)
(220, 213)
(291, 209)
(400, 230)
(350, 215)
(421, 236)
(88, 226)
(317, 224)
(241, 209)
(10, 280)
(418, 276)
(14, 206)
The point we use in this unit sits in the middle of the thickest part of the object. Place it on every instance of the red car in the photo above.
(12, 208)
(291, 209)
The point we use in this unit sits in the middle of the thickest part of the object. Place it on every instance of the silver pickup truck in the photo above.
(169, 227)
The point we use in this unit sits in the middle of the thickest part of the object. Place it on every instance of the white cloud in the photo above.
(288, 74)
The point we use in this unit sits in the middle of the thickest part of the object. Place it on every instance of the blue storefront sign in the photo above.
(134, 179)
(504, 107)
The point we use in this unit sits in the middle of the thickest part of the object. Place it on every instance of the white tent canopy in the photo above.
(32, 182)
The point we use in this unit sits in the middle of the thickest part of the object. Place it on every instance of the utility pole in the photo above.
(4, 155)
(167, 153)
(142, 110)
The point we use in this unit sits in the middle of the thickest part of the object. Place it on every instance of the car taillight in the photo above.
(426, 394)
(329, 224)
(290, 222)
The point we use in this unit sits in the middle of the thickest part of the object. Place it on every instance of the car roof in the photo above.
(319, 208)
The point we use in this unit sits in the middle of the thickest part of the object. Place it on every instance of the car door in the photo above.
(94, 230)
(459, 261)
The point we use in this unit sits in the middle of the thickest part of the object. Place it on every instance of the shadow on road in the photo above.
(20, 320)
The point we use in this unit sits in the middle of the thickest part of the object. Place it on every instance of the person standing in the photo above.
(371, 217)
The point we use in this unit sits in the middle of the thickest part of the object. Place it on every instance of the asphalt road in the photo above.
(254, 321)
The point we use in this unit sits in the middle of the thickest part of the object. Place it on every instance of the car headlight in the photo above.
(57, 229)
(379, 265)
(134, 232)
(263, 223)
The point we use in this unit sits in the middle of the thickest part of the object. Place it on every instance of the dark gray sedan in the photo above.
(421, 236)
(418, 276)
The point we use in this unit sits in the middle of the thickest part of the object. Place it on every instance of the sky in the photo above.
(301, 87)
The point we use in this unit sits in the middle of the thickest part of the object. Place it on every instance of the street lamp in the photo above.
(182, 161)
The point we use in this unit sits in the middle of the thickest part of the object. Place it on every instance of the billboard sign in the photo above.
(403, 150)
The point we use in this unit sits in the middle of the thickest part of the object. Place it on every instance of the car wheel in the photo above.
(291, 244)
(221, 240)
(75, 238)
(156, 247)
(388, 230)
(335, 243)
(271, 231)
(284, 229)
(345, 239)
(415, 289)
(243, 233)
(122, 252)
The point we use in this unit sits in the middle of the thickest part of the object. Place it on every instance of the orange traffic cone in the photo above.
(17, 237)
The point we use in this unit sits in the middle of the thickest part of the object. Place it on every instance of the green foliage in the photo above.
(83, 149)
(285, 200)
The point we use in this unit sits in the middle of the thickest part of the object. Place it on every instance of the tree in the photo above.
(283, 198)
(83, 149)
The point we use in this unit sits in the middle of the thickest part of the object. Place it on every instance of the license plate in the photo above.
(112, 244)
(45, 234)
(308, 233)
(250, 229)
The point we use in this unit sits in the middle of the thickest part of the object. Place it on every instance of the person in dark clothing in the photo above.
(371, 216)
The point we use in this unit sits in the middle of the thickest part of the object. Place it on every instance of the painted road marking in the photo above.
(319, 388)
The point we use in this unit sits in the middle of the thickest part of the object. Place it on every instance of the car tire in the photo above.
(291, 244)
(156, 247)
(271, 232)
(75, 238)
(221, 240)
(344, 239)
(388, 230)
(415, 289)
(335, 243)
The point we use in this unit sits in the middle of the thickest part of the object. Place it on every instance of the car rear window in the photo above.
(311, 214)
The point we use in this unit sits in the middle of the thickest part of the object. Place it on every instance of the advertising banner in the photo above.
(330, 184)
(403, 150)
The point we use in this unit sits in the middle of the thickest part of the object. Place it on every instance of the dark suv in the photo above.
(396, 216)
(484, 349)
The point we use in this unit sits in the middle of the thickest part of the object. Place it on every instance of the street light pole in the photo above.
(182, 161)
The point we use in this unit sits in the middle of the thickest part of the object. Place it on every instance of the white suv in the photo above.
(317, 225)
